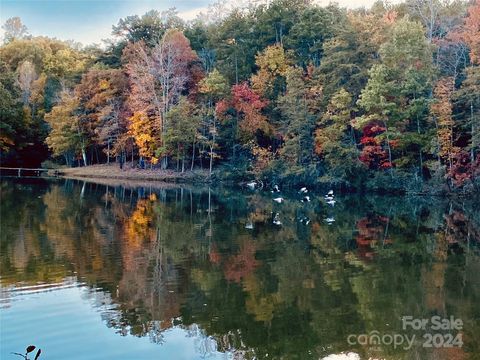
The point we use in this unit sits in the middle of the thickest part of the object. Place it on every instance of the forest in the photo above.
(284, 91)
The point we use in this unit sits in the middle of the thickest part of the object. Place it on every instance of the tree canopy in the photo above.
(287, 91)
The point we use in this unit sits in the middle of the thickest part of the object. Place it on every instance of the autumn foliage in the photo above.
(471, 31)
(441, 110)
(286, 90)
(238, 267)
(373, 153)
(247, 105)
(371, 233)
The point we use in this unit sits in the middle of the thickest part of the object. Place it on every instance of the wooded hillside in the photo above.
(386, 97)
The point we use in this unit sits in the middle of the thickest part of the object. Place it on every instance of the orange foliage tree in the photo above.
(441, 111)
(472, 31)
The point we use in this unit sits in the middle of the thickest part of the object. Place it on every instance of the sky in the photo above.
(90, 21)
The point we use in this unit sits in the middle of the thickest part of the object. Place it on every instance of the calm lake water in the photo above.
(90, 271)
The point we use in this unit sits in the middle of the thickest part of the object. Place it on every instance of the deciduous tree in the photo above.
(214, 87)
(66, 138)
(472, 31)
(300, 109)
(183, 131)
(273, 66)
(14, 29)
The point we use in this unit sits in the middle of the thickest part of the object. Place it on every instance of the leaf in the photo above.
(38, 354)
(30, 348)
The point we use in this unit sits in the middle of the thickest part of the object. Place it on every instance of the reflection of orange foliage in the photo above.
(370, 231)
(434, 275)
(137, 227)
(459, 229)
(239, 266)
(138, 230)
(214, 255)
(453, 353)
(315, 227)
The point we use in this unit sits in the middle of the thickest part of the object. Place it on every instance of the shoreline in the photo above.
(115, 173)
(112, 173)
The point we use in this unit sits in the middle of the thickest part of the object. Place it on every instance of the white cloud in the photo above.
(192, 14)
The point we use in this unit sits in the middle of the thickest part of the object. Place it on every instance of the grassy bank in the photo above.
(114, 172)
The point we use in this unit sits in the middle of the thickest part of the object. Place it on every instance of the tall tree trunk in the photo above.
(211, 160)
(472, 151)
(213, 143)
(388, 149)
(84, 156)
(235, 136)
(193, 156)
(236, 65)
(183, 164)
(420, 150)
(96, 155)
(178, 157)
(164, 163)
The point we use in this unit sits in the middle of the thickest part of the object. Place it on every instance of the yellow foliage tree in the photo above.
(272, 63)
(146, 134)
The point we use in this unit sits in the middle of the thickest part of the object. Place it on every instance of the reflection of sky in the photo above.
(67, 324)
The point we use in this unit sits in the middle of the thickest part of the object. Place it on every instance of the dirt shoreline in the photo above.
(114, 172)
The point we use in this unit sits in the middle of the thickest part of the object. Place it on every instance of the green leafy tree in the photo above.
(314, 27)
(214, 87)
(467, 99)
(149, 28)
(300, 109)
(66, 137)
(11, 114)
(183, 131)
(397, 91)
(348, 56)
(233, 44)
(275, 20)
(335, 141)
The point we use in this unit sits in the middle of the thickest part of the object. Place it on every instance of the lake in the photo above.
(120, 271)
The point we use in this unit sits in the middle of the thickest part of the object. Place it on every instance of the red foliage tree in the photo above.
(373, 155)
(248, 106)
(462, 169)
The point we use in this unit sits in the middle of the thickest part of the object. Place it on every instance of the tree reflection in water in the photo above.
(170, 257)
